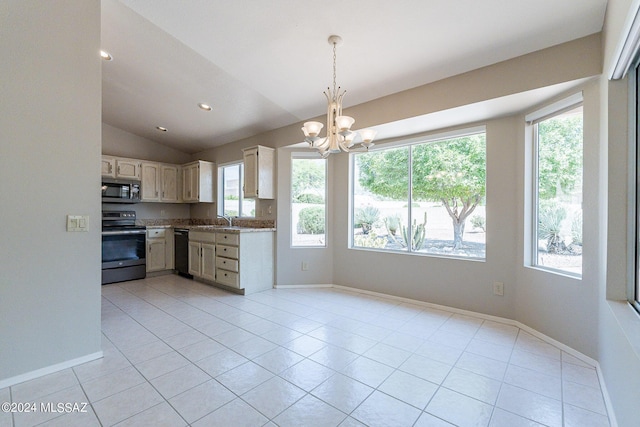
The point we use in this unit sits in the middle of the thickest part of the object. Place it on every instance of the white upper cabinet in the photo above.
(259, 165)
(198, 182)
(151, 182)
(159, 182)
(129, 169)
(108, 168)
(114, 167)
(169, 183)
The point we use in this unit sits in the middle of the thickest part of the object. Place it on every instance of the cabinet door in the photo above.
(128, 169)
(108, 167)
(150, 181)
(208, 261)
(169, 184)
(251, 173)
(156, 259)
(195, 268)
(190, 183)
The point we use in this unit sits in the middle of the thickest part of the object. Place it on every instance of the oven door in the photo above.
(123, 248)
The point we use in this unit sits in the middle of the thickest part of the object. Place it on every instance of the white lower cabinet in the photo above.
(202, 254)
(240, 260)
(159, 251)
(245, 260)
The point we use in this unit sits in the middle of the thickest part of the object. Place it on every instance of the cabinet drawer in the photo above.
(202, 236)
(228, 238)
(227, 251)
(227, 264)
(227, 278)
(156, 233)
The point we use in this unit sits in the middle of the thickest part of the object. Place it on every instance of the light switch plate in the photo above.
(78, 223)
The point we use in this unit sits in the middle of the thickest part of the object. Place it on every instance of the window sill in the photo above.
(419, 254)
(556, 272)
(629, 322)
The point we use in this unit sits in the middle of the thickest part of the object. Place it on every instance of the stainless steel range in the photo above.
(123, 247)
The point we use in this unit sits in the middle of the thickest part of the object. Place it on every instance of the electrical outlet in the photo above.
(498, 288)
(305, 266)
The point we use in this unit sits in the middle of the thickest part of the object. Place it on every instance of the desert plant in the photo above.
(479, 221)
(311, 220)
(392, 223)
(576, 229)
(550, 219)
(370, 240)
(416, 235)
(366, 217)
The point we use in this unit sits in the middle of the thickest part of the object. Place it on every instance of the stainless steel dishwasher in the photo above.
(181, 236)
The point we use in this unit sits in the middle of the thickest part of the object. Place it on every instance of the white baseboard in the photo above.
(303, 286)
(537, 334)
(49, 370)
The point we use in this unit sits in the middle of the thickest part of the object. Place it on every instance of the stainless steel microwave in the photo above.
(120, 191)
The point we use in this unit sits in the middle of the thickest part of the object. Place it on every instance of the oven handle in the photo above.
(121, 232)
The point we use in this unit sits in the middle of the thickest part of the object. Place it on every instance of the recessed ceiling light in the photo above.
(105, 55)
(161, 128)
(204, 107)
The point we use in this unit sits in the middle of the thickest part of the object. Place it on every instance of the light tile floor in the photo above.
(177, 353)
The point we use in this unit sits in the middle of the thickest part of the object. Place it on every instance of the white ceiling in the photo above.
(264, 64)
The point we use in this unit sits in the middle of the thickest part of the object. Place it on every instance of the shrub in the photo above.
(311, 220)
(392, 223)
(550, 220)
(310, 198)
(366, 217)
(576, 229)
(479, 221)
(370, 240)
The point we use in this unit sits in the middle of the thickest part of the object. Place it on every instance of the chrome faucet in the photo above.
(228, 218)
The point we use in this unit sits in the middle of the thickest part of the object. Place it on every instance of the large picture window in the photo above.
(308, 200)
(232, 202)
(557, 190)
(427, 197)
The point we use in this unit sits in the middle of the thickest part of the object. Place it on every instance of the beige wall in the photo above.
(117, 142)
(49, 155)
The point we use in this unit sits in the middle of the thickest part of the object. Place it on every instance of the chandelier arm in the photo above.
(324, 144)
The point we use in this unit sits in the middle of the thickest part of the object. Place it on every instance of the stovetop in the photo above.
(120, 221)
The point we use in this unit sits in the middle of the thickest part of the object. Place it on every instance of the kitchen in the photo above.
(241, 261)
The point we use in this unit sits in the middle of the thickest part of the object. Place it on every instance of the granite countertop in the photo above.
(241, 225)
(215, 228)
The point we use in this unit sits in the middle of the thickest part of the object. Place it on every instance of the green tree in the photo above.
(452, 172)
(559, 155)
(308, 176)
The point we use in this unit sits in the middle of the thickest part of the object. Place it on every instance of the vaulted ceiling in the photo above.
(263, 64)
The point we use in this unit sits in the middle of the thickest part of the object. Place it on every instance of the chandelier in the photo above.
(339, 137)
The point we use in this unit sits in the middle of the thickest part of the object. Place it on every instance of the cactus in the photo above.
(417, 234)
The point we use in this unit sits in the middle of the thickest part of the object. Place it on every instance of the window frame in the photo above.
(241, 198)
(310, 155)
(633, 292)
(532, 120)
(430, 138)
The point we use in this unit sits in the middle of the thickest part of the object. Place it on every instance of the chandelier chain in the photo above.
(334, 72)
